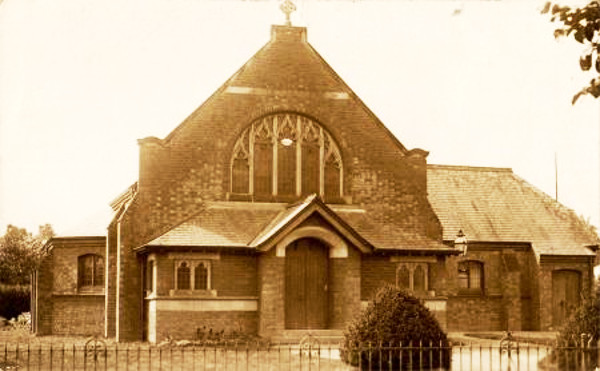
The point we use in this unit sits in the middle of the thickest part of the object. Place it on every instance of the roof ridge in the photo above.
(470, 168)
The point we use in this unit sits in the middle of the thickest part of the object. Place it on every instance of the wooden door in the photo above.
(565, 295)
(306, 280)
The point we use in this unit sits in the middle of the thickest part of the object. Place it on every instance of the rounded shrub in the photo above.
(395, 331)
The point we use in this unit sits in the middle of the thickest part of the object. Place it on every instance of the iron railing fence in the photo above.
(98, 355)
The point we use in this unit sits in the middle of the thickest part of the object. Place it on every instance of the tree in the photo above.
(584, 25)
(21, 253)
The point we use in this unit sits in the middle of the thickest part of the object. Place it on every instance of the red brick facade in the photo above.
(60, 304)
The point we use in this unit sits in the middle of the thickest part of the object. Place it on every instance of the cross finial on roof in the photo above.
(287, 7)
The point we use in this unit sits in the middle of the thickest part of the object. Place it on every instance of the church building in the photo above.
(283, 203)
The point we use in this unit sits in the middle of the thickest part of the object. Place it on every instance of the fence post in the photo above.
(582, 351)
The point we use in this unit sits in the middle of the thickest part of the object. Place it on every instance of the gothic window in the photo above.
(412, 276)
(183, 276)
(90, 271)
(403, 277)
(285, 156)
(470, 276)
(419, 278)
(193, 275)
(201, 277)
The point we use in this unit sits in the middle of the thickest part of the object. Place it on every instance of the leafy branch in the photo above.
(584, 25)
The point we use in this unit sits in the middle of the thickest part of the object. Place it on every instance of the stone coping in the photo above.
(79, 293)
(201, 297)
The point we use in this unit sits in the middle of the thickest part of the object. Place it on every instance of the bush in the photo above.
(395, 319)
(581, 330)
(14, 300)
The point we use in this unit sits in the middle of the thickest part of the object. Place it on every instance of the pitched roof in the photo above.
(493, 204)
(256, 225)
(288, 65)
(221, 224)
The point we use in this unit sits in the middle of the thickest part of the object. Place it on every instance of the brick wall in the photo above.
(271, 288)
(43, 301)
(548, 264)
(61, 308)
(344, 289)
(78, 315)
(185, 324)
(485, 313)
(376, 271)
(235, 275)
(507, 300)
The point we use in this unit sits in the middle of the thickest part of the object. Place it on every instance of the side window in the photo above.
(201, 276)
(90, 271)
(470, 276)
(183, 276)
(412, 276)
(193, 275)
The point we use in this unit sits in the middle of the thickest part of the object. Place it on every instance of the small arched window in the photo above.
(90, 271)
(403, 277)
(470, 276)
(419, 278)
(183, 276)
(201, 277)
(284, 156)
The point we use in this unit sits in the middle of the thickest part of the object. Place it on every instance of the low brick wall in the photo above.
(475, 313)
(78, 315)
(185, 324)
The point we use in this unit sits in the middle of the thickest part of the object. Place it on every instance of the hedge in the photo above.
(14, 300)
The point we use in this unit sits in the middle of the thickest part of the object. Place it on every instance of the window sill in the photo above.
(247, 197)
(194, 293)
(80, 293)
(472, 293)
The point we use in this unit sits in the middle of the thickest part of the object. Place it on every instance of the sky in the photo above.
(479, 83)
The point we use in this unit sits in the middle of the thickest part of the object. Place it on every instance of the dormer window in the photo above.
(285, 156)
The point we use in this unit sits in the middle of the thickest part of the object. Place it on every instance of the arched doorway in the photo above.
(306, 284)
(566, 286)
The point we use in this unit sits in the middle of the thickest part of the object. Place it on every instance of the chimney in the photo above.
(151, 153)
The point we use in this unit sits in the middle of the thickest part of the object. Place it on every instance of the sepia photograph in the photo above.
(295, 184)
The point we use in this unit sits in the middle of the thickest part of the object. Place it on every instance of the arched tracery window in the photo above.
(284, 156)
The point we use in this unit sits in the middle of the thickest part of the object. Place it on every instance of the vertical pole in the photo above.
(556, 176)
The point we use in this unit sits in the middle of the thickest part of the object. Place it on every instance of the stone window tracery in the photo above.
(412, 276)
(192, 275)
(285, 156)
